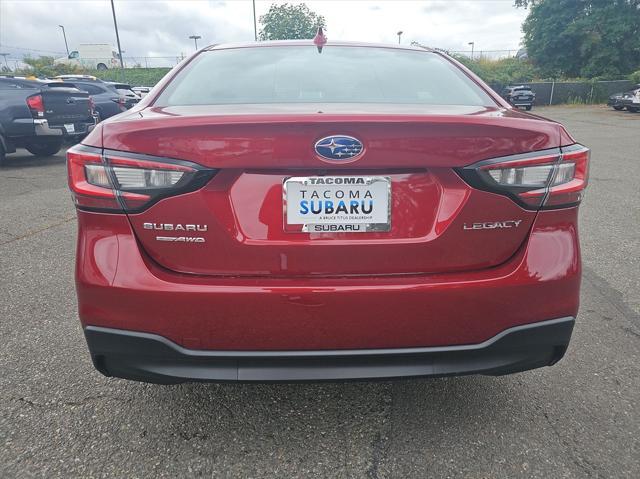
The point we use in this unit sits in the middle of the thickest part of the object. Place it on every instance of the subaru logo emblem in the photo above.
(338, 147)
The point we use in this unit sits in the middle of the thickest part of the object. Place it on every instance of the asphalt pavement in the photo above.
(580, 418)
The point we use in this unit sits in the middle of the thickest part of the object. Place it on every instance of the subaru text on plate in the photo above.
(286, 211)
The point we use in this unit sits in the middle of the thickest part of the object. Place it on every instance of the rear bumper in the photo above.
(120, 288)
(629, 104)
(522, 103)
(42, 128)
(152, 358)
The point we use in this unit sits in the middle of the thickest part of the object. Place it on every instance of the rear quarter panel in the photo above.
(15, 117)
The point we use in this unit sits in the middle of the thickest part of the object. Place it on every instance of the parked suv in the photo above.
(369, 212)
(39, 115)
(520, 96)
(108, 101)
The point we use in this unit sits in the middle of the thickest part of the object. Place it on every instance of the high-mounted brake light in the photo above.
(547, 179)
(320, 39)
(116, 181)
(36, 105)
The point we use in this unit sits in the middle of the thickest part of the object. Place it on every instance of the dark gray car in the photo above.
(125, 90)
(519, 96)
(620, 101)
(106, 98)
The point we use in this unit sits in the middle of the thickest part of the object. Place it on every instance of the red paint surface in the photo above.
(243, 208)
(119, 287)
(253, 286)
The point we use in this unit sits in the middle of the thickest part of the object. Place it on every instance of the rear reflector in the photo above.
(126, 182)
(547, 179)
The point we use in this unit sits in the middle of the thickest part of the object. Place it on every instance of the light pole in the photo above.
(399, 36)
(115, 24)
(255, 25)
(195, 39)
(65, 39)
(473, 44)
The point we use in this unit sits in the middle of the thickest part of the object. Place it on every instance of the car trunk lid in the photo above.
(64, 104)
(236, 224)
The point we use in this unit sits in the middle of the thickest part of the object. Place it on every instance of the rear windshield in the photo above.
(299, 74)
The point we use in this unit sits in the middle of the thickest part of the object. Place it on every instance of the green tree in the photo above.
(583, 38)
(290, 22)
(503, 71)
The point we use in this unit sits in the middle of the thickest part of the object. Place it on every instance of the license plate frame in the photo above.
(69, 127)
(378, 221)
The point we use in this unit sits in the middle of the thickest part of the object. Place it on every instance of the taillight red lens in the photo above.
(571, 179)
(84, 166)
(122, 102)
(36, 105)
(116, 181)
(547, 179)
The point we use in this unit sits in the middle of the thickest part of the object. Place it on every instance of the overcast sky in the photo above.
(162, 28)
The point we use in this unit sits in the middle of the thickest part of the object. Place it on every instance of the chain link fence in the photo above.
(485, 54)
(138, 71)
(147, 71)
(556, 93)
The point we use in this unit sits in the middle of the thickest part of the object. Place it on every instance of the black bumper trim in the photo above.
(152, 358)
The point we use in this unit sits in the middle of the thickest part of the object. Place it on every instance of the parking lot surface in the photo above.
(580, 418)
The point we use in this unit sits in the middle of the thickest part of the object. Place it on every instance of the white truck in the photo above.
(95, 56)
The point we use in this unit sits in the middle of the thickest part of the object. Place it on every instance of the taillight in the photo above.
(36, 105)
(546, 179)
(571, 179)
(122, 102)
(103, 180)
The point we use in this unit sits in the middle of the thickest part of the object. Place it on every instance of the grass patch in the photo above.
(132, 76)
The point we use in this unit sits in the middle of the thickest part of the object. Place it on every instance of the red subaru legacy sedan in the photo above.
(280, 212)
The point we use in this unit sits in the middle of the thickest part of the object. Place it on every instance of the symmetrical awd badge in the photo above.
(338, 147)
